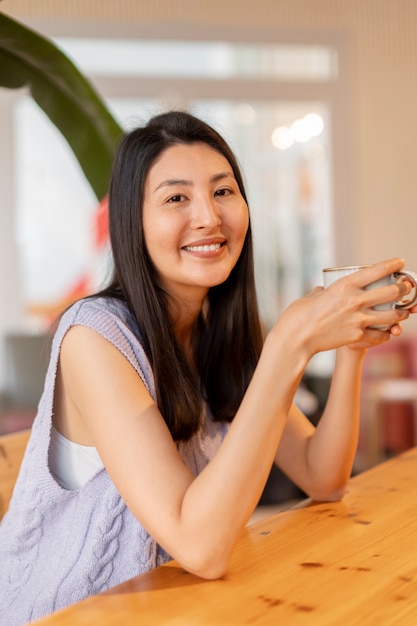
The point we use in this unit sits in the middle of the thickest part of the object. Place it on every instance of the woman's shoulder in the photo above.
(97, 311)
(112, 319)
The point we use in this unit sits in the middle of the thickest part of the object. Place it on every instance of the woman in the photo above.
(164, 409)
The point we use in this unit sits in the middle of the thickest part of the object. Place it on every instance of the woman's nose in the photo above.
(206, 213)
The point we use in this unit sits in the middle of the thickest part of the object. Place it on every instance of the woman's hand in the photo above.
(343, 314)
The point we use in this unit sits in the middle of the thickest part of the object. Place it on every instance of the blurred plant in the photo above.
(30, 60)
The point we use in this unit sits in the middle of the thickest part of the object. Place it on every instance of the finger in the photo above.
(385, 319)
(388, 293)
(396, 330)
(372, 273)
(371, 337)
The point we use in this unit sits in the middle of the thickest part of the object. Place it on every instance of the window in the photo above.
(202, 59)
(273, 103)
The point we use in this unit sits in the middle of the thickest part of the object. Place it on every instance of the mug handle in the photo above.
(411, 298)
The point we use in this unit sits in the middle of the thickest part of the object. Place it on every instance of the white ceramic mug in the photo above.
(331, 274)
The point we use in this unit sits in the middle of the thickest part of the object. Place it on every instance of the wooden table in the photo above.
(344, 563)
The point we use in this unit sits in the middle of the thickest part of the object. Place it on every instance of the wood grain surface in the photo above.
(348, 562)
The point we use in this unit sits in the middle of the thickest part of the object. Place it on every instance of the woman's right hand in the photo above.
(342, 314)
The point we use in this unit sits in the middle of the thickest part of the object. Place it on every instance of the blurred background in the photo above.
(318, 100)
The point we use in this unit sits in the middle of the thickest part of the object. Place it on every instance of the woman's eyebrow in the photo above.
(188, 183)
(173, 181)
(217, 177)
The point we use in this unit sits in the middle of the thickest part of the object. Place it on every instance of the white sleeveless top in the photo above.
(71, 464)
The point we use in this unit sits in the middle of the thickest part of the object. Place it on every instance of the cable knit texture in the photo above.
(57, 546)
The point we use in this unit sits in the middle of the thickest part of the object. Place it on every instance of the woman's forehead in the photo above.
(183, 158)
(188, 162)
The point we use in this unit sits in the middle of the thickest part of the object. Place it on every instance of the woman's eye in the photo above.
(176, 198)
(223, 192)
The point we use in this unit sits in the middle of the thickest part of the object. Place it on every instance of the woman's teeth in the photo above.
(207, 248)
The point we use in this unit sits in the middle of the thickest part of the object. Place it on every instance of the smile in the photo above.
(206, 248)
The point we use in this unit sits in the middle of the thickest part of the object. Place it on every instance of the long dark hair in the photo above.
(228, 338)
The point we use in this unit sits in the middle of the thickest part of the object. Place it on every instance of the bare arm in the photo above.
(319, 460)
(198, 519)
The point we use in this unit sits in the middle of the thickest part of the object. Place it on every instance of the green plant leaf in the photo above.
(27, 59)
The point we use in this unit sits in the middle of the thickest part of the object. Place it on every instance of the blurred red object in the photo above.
(101, 219)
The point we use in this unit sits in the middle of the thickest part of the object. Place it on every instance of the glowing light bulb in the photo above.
(282, 138)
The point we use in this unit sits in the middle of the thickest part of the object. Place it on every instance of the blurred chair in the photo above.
(12, 449)
(389, 401)
(400, 393)
(26, 360)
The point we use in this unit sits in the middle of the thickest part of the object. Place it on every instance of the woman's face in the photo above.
(194, 218)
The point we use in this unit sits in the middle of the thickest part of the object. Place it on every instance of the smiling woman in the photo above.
(164, 408)
(195, 227)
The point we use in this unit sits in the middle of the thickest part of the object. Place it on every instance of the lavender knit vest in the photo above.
(57, 546)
